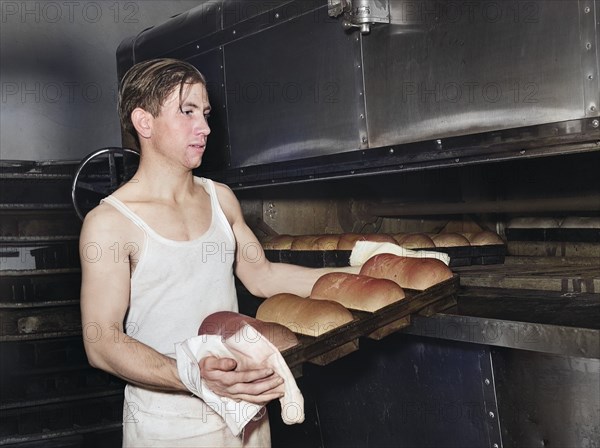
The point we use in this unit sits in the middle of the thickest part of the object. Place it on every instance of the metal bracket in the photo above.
(360, 13)
(588, 10)
(491, 417)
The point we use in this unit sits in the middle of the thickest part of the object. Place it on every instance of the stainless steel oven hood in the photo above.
(299, 96)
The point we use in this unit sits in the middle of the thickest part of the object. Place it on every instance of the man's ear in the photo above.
(142, 122)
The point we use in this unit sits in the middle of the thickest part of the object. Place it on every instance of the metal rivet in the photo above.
(439, 142)
(233, 31)
(197, 47)
(587, 9)
(364, 139)
(588, 46)
(276, 15)
(358, 66)
(592, 108)
(487, 382)
(362, 116)
(495, 445)
(590, 77)
(522, 152)
(360, 93)
(352, 172)
(457, 160)
(595, 123)
(241, 171)
(391, 151)
(491, 414)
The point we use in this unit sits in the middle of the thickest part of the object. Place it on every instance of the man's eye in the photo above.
(188, 112)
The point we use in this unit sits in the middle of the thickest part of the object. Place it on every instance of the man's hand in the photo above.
(258, 386)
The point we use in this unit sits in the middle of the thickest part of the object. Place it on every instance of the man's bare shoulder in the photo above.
(228, 201)
(105, 221)
(224, 191)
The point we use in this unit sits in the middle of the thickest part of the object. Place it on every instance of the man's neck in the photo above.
(163, 181)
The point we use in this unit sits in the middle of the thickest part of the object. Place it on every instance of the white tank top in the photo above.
(176, 284)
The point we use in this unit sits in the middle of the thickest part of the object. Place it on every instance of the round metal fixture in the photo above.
(94, 180)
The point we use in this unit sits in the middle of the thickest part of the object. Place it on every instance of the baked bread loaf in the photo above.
(412, 273)
(348, 240)
(304, 242)
(450, 240)
(279, 242)
(326, 242)
(357, 292)
(414, 241)
(484, 238)
(227, 323)
(302, 315)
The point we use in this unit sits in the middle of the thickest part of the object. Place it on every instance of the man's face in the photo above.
(180, 130)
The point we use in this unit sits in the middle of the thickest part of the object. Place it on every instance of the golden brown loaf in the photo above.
(304, 242)
(412, 273)
(304, 316)
(227, 323)
(450, 240)
(326, 242)
(357, 292)
(484, 238)
(414, 241)
(347, 241)
(279, 242)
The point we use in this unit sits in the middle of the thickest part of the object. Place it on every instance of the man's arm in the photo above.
(261, 277)
(105, 292)
(105, 283)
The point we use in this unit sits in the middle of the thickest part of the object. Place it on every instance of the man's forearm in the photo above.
(294, 279)
(134, 362)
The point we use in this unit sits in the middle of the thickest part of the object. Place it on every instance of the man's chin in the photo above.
(194, 163)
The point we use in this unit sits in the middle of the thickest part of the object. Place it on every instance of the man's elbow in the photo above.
(94, 354)
(256, 290)
(257, 281)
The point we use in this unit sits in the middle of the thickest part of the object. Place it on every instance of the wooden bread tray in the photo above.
(459, 256)
(343, 340)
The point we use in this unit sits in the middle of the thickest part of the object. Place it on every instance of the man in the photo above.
(163, 259)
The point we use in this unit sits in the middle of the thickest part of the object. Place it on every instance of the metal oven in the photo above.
(390, 116)
(403, 116)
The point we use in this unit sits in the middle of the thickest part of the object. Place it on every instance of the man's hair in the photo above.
(148, 84)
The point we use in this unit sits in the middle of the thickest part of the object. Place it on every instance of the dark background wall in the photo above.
(58, 73)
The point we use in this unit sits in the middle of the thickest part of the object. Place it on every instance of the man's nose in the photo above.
(202, 126)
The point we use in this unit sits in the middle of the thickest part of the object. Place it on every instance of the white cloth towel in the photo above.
(251, 350)
(363, 250)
